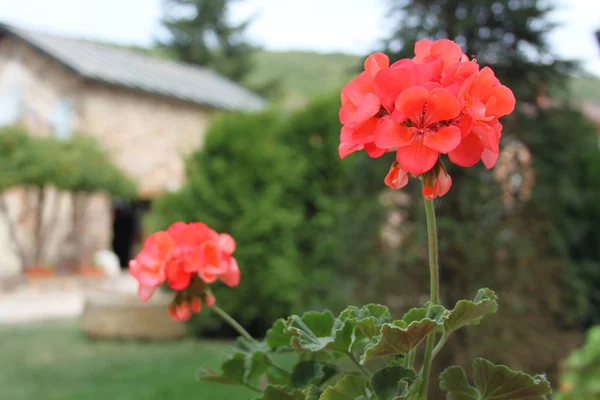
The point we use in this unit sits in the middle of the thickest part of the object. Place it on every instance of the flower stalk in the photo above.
(434, 289)
(232, 322)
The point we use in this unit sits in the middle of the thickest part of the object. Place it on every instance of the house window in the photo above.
(11, 105)
(62, 118)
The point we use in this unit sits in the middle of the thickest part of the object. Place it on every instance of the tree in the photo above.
(200, 33)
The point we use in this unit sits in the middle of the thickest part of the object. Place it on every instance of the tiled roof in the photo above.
(131, 69)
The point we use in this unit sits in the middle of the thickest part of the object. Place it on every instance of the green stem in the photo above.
(434, 289)
(411, 359)
(440, 344)
(232, 322)
(360, 367)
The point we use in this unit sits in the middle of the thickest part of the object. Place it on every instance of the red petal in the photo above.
(226, 243)
(390, 135)
(488, 135)
(232, 277)
(444, 140)
(365, 132)
(416, 158)
(444, 182)
(468, 151)
(411, 103)
(373, 151)
(422, 49)
(347, 113)
(465, 123)
(390, 82)
(501, 101)
(376, 62)
(396, 177)
(212, 254)
(348, 148)
(489, 158)
(358, 87)
(441, 105)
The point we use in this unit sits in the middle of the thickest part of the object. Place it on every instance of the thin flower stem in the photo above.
(434, 289)
(360, 367)
(232, 322)
(440, 344)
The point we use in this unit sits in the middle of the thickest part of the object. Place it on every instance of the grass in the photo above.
(53, 361)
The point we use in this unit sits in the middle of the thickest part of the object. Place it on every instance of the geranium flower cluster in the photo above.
(438, 102)
(188, 257)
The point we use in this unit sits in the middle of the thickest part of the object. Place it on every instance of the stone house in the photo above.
(149, 114)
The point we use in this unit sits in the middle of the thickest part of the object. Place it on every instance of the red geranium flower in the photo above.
(438, 102)
(188, 257)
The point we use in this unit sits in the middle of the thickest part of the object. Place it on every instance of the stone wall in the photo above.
(149, 136)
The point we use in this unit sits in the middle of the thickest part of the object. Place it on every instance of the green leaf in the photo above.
(391, 383)
(349, 387)
(365, 322)
(232, 371)
(494, 382)
(277, 392)
(404, 335)
(313, 331)
(312, 372)
(467, 312)
(278, 337)
(344, 337)
(257, 364)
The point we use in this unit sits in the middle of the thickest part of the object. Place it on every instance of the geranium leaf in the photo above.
(312, 372)
(277, 336)
(470, 312)
(494, 382)
(232, 371)
(405, 334)
(313, 331)
(350, 387)
(391, 383)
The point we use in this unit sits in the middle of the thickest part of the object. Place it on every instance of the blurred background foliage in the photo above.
(315, 231)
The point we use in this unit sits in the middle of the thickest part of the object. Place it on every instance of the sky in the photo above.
(351, 26)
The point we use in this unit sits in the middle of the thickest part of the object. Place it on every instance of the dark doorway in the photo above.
(127, 228)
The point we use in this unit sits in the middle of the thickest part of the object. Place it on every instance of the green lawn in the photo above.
(51, 361)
